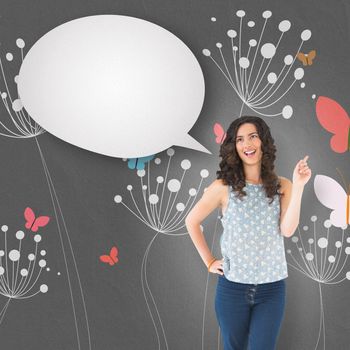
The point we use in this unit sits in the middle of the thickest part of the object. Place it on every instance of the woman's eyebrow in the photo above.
(255, 132)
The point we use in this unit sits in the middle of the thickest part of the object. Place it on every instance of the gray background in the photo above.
(86, 184)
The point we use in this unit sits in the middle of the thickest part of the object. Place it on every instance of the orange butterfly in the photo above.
(33, 223)
(112, 258)
(219, 133)
(306, 58)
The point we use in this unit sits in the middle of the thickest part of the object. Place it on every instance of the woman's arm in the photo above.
(290, 207)
(212, 198)
(291, 199)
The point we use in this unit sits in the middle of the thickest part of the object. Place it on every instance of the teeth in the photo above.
(250, 152)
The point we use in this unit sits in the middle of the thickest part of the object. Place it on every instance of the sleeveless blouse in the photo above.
(251, 244)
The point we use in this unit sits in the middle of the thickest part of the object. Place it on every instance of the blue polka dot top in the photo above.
(251, 243)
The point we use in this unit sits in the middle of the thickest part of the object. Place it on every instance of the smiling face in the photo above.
(248, 144)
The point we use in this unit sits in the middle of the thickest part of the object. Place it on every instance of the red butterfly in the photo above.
(333, 117)
(219, 133)
(33, 223)
(112, 258)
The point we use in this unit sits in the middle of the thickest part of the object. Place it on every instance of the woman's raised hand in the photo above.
(302, 172)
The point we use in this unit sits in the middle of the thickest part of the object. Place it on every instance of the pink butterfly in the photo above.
(219, 133)
(112, 258)
(33, 223)
(333, 196)
(333, 117)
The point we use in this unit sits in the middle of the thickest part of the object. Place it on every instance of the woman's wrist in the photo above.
(211, 262)
(298, 187)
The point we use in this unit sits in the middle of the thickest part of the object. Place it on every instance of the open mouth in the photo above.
(250, 154)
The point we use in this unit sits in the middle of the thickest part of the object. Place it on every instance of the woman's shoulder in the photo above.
(218, 185)
(219, 188)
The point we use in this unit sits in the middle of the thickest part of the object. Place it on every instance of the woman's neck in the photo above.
(252, 173)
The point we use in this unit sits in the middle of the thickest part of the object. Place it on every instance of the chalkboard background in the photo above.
(159, 294)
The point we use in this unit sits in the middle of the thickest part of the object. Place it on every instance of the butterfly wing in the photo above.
(132, 163)
(139, 163)
(29, 216)
(310, 57)
(302, 58)
(333, 196)
(107, 259)
(142, 161)
(219, 133)
(334, 119)
(113, 254)
(41, 221)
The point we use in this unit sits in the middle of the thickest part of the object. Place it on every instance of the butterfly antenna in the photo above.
(344, 182)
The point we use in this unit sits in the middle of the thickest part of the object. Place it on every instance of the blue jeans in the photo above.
(249, 314)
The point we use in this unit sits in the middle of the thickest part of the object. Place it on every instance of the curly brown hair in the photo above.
(231, 166)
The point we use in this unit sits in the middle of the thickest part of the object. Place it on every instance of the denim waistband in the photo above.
(222, 280)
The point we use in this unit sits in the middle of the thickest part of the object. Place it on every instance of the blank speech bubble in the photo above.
(115, 85)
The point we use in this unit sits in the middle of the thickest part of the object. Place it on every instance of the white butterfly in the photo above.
(333, 196)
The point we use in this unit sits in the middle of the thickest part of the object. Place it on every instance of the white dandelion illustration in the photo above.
(20, 273)
(20, 125)
(163, 206)
(248, 68)
(322, 258)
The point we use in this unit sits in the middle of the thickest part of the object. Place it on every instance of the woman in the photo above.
(259, 208)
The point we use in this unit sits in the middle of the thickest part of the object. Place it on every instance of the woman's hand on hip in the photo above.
(216, 267)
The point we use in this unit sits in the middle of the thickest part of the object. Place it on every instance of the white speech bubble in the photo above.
(115, 85)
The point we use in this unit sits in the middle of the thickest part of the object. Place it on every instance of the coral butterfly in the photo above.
(333, 117)
(219, 133)
(112, 258)
(307, 58)
(33, 223)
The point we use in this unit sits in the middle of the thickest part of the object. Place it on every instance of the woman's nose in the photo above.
(247, 143)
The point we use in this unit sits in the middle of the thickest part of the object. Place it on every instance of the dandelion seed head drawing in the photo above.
(166, 192)
(322, 258)
(247, 68)
(20, 273)
(19, 124)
